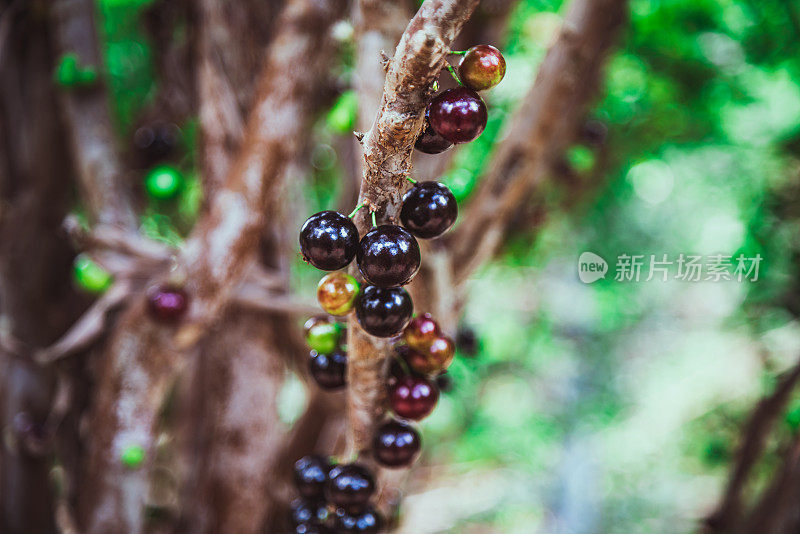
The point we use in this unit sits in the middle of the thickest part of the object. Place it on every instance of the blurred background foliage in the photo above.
(613, 407)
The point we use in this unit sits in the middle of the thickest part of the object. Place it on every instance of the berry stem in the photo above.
(374, 220)
(410, 179)
(452, 72)
(458, 52)
(353, 213)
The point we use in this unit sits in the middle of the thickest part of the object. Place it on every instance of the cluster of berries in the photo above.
(388, 257)
(459, 115)
(333, 498)
(328, 359)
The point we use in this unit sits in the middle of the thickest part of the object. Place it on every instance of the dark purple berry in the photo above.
(167, 303)
(429, 141)
(367, 522)
(310, 476)
(459, 115)
(388, 256)
(413, 397)
(328, 240)
(329, 370)
(482, 67)
(429, 209)
(303, 511)
(396, 444)
(384, 312)
(350, 486)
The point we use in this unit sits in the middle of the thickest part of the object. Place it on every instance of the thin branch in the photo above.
(387, 161)
(543, 128)
(755, 434)
(88, 120)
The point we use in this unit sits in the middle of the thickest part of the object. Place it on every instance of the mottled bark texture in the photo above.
(387, 162)
(37, 302)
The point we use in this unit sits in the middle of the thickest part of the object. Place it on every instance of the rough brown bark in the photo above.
(88, 121)
(387, 162)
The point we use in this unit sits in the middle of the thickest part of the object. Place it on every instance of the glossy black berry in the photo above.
(311, 475)
(328, 240)
(367, 522)
(304, 511)
(384, 312)
(429, 209)
(429, 141)
(388, 256)
(329, 370)
(396, 444)
(350, 487)
(459, 115)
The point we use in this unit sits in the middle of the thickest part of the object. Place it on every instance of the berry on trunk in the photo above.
(310, 476)
(350, 487)
(307, 512)
(337, 292)
(421, 332)
(322, 335)
(429, 209)
(384, 312)
(482, 67)
(328, 240)
(388, 256)
(459, 115)
(367, 522)
(396, 444)
(163, 182)
(413, 397)
(329, 370)
(167, 303)
(429, 141)
(436, 359)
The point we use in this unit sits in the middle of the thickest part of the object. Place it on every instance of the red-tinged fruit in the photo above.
(413, 397)
(429, 141)
(337, 293)
(482, 67)
(436, 359)
(429, 210)
(388, 256)
(396, 444)
(167, 303)
(421, 332)
(459, 115)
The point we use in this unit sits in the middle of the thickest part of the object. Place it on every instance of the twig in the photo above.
(387, 161)
(754, 438)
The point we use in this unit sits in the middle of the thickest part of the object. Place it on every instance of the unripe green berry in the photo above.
(163, 182)
(323, 337)
(90, 276)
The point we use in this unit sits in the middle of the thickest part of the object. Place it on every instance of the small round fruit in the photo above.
(337, 292)
(396, 444)
(322, 335)
(482, 67)
(310, 476)
(90, 276)
(328, 240)
(307, 512)
(329, 370)
(388, 256)
(413, 397)
(350, 486)
(167, 303)
(459, 115)
(367, 522)
(436, 359)
(421, 332)
(429, 209)
(132, 456)
(308, 528)
(384, 312)
(429, 141)
(163, 182)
